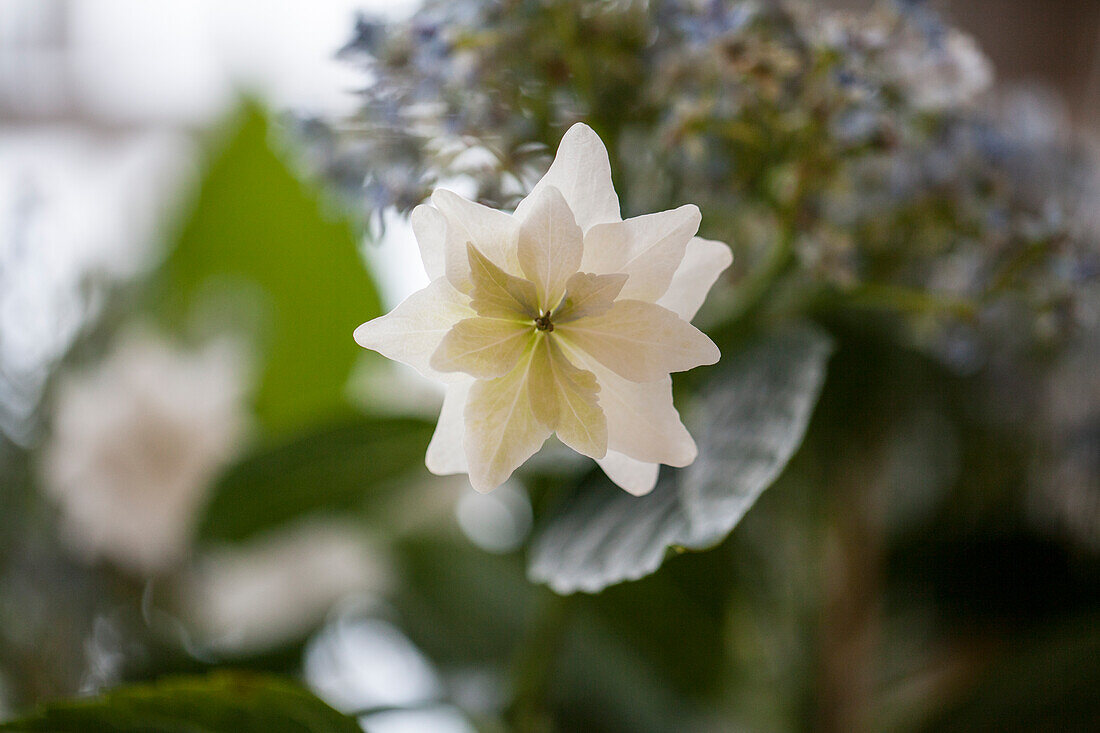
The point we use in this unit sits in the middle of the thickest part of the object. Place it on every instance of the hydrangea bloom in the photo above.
(560, 318)
(135, 444)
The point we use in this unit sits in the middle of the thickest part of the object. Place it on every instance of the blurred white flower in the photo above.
(136, 442)
(560, 318)
(268, 591)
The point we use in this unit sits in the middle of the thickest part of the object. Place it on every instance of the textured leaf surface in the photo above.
(605, 536)
(220, 703)
(753, 419)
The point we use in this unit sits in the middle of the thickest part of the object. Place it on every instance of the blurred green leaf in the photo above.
(335, 468)
(753, 419)
(462, 606)
(257, 228)
(224, 702)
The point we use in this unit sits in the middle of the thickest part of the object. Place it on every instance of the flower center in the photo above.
(543, 323)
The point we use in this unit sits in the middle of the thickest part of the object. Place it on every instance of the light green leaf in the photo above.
(604, 536)
(256, 228)
(753, 419)
(225, 702)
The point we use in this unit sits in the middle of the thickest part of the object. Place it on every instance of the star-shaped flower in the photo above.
(560, 318)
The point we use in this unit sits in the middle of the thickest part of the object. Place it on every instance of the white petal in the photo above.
(493, 232)
(642, 421)
(640, 341)
(550, 245)
(582, 172)
(637, 477)
(446, 454)
(704, 261)
(606, 248)
(430, 228)
(647, 248)
(564, 399)
(501, 428)
(483, 347)
(412, 331)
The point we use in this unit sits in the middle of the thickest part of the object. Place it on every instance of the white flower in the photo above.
(275, 587)
(560, 318)
(136, 442)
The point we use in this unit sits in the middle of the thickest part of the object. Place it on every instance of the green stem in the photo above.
(908, 300)
(757, 282)
(760, 280)
(533, 665)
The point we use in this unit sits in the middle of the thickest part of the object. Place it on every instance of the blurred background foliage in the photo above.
(893, 523)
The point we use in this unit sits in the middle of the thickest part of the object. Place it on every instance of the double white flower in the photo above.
(560, 318)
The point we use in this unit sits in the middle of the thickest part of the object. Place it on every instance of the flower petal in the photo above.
(483, 347)
(637, 477)
(641, 341)
(501, 428)
(642, 421)
(493, 232)
(582, 172)
(430, 228)
(412, 331)
(446, 454)
(648, 248)
(550, 245)
(563, 398)
(704, 261)
(496, 294)
(588, 295)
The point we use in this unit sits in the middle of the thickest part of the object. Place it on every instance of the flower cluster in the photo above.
(854, 154)
(856, 162)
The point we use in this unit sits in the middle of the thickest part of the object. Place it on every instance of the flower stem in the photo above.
(533, 665)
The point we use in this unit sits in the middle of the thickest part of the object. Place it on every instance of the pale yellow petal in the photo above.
(550, 245)
(640, 341)
(564, 399)
(412, 331)
(588, 295)
(501, 428)
(704, 261)
(582, 172)
(483, 347)
(642, 421)
(495, 293)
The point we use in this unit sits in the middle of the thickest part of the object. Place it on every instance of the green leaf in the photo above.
(336, 468)
(753, 419)
(224, 702)
(256, 229)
